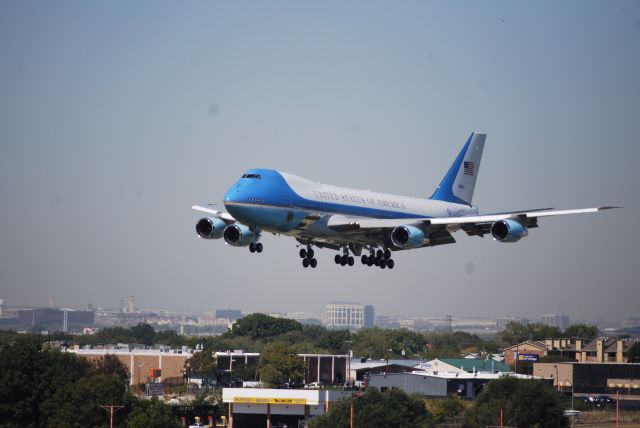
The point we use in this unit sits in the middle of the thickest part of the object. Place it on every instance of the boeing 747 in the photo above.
(363, 223)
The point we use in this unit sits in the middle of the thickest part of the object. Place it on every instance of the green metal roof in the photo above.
(468, 364)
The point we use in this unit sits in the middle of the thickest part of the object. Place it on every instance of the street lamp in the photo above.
(572, 410)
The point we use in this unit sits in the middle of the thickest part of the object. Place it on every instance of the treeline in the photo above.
(45, 387)
(254, 332)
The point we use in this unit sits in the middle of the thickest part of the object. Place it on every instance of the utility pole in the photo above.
(111, 409)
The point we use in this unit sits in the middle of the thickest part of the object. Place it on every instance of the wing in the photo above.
(228, 218)
(440, 228)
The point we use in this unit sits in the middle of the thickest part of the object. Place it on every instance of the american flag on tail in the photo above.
(469, 168)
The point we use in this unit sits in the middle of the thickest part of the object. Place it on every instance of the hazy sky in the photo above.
(116, 117)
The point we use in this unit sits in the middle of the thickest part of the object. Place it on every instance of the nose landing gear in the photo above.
(255, 247)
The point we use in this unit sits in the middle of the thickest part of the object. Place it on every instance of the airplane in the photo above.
(366, 224)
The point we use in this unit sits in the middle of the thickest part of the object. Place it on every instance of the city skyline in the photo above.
(320, 313)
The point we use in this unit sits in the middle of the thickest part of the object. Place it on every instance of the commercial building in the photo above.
(326, 369)
(525, 351)
(348, 315)
(501, 323)
(463, 365)
(463, 384)
(230, 314)
(140, 362)
(602, 350)
(257, 407)
(55, 319)
(237, 367)
(593, 378)
(560, 321)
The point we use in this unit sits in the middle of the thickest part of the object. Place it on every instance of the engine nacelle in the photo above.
(407, 237)
(238, 235)
(210, 228)
(508, 231)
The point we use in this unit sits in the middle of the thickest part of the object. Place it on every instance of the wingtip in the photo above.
(608, 208)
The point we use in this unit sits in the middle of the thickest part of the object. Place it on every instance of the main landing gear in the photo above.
(306, 254)
(255, 247)
(380, 258)
(345, 258)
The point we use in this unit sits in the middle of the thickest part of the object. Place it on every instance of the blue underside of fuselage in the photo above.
(270, 203)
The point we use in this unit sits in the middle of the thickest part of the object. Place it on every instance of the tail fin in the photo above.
(459, 183)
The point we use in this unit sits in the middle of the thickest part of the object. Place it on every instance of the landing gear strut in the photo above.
(380, 258)
(345, 258)
(306, 254)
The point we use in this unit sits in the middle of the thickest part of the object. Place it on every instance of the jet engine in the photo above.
(508, 231)
(238, 235)
(407, 237)
(210, 228)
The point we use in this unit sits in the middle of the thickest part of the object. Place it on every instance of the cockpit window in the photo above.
(253, 176)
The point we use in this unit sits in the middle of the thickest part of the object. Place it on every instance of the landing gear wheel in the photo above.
(387, 254)
(313, 263)
(343, 260)
(338, 259)
(305, 263)
(383, 264)
(350, 261)
(370, 261)
(364, 259)
(379, 254)
(303, 253)
(310, 253)
(390, 263)
(259, 247)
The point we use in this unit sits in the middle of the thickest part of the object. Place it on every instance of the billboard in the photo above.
(528, 357)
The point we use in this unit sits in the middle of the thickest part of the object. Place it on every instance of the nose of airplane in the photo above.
(234, 194)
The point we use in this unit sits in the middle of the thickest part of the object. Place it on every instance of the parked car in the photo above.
(572, 413)
(314, 385)
(599, 401)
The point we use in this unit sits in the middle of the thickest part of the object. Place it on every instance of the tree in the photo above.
(279, 365)
(442, 408)
(392, 409)
(144, 333)
(633, 356)
(152, 414)
(258, 326)
(524, 402)
(202, 364)
(514, 332)
(581, 331)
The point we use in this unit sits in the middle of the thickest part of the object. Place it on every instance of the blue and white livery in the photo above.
(360, 222)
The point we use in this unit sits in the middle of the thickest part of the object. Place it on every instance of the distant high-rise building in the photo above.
(52, 301)
(387, 321)
(1, 305)
(555, 320)
(348, 315)
(230, 314)
(369, 316)
(132, 304)
(304, 317)
(448, 324)
(501, 323)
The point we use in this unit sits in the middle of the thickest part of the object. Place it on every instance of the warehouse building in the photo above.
(258, 407)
